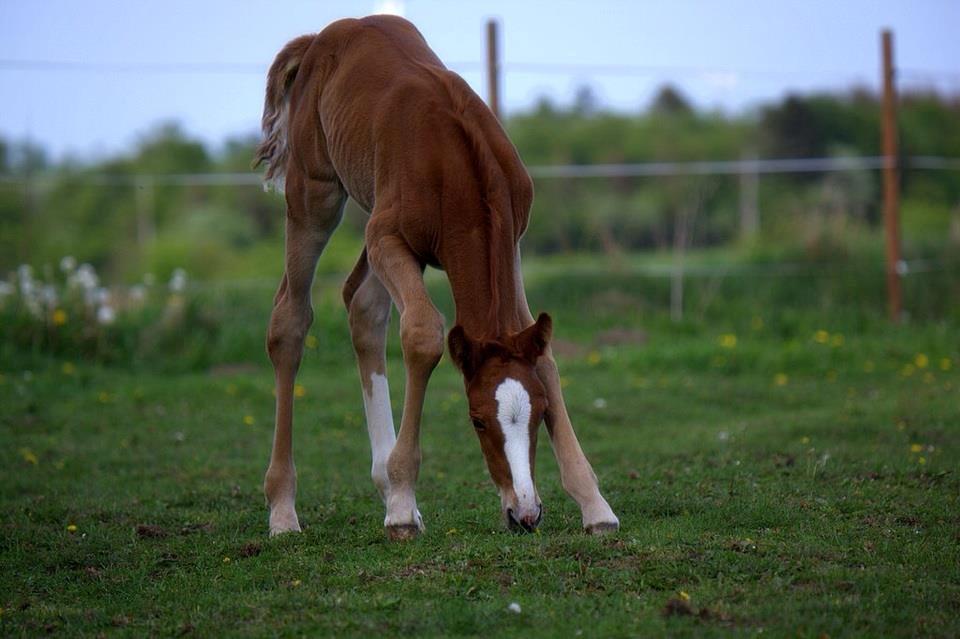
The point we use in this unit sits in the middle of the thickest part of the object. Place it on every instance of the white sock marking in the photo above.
(513, 413)
(376, 405)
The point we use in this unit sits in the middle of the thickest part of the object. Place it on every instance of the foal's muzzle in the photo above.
(527, 523)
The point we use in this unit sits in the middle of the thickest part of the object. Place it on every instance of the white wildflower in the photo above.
(106, 314)
(27, 289)
(68, 263)
(138, 293)
(178, 281)
(25, 273)
(49, 295)
(600, 403)
(514, 607)
(85, 277)
(723, 435)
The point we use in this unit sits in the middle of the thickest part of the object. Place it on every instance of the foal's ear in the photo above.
(463, 350)
(533, 340)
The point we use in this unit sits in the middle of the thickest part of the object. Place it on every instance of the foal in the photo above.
(366, 109)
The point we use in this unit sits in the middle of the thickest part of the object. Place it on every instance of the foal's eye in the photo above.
(478, 424)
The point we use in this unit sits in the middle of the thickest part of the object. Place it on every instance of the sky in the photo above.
(88, 78)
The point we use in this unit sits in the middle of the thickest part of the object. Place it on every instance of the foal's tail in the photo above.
(276, 111)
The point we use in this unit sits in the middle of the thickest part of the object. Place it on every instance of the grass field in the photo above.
(778, 468)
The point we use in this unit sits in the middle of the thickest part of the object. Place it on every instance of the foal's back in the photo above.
(399, 129)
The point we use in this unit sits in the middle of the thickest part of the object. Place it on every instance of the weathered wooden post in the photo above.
(144, 197)
(493, 68)
(749, 195)
(891, 185)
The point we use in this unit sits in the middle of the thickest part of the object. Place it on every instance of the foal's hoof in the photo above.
(283, 521)
(402, 532)
(280, 530)
(602, 528)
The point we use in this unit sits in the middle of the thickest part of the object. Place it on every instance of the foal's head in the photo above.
(507, 402)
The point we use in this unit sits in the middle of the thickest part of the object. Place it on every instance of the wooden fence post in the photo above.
(144, 198)
(749, 195)
(493, 69)
(891, 186)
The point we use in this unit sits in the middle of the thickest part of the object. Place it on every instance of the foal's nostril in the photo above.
(527, 523)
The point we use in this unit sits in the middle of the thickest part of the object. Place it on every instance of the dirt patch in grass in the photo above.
(150, 531)
(620, 336)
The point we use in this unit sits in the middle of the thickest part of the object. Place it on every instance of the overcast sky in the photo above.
(87, 77)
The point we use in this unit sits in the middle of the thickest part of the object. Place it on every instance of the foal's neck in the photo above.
(487, 297)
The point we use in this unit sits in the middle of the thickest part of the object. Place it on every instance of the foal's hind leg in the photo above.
(368, 303)
(313, 212)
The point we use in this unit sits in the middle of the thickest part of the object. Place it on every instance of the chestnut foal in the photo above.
(366, 109)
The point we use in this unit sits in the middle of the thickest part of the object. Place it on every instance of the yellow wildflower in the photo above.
(821, 336)
(781, 379)
(921, 360)
(945, 364)
(907, 370)
(684, 595)
(921, 460)
(72, 528)
(299, 390)
(226, 560)
(836, 341)
(916, 448)
(59, 317)
(296, 583)
(593, 358)
(728, 340)
(68, 368)
(804, 440)
(29, 456)
(312, 342)
(248, 420)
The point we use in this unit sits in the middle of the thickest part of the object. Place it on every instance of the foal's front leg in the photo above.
(421, 335)
(576, 474)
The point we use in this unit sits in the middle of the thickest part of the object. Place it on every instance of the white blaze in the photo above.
(513, 413)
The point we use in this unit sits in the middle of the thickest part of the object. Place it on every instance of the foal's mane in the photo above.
(496, 208)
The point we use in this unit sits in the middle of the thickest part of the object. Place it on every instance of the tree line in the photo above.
(126, 228)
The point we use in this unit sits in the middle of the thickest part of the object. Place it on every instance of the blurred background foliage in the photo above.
(128, 228)
(110, 262)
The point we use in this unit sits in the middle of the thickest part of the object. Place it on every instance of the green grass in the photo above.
(788, 486)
